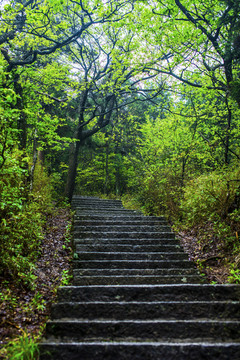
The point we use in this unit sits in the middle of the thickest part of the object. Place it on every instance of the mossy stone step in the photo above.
(136, 280)
(147, 310)
(125, 234)
(127, 248)
(135, 272)
(167, 292)
(117, 228)
(128, 241)
(148, 330)
(131, 255)
(166, 350)
(132, 264)
(118, 218)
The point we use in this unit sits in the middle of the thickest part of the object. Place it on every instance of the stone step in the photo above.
(112, 211)
(96, 207)
(137, 280)
(118, 228)
(173, 292)
(125, 234)
(101, 202)
(165, 350)
(90, 200)
(132, 264)
(135, 272)
(148, 330)
(186, 310)
(127, 248)
(135, 215)
(132, 242)
(117, 217)
(131, 256)
(94, 200)
(118, 222)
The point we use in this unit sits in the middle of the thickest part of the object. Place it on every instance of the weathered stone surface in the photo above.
(147, 310)
(168, 292)
(132, 242)
(139, 221)
(136, 296)
(131, 255)
(110, 247)
(117, 228)
(135, 272)
(117, 217)
(134, 280)
(147, 330)
(124, 234)
(142, 351)
(131, 264)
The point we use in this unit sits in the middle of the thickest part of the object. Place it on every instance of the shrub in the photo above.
(210, 197)
(21, 348)
(21, 220)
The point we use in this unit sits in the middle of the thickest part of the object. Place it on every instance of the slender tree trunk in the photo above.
(227, 136)
(22, 121)
(74, 150)
(81, 135)
(41, 156)
(106, 171)
(72, 170)
(35, 157)
(117, 182)
(22, 132)
(184, 162)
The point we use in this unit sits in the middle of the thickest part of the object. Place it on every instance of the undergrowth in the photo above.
(24, 347)
(206, 208)
(35, 254)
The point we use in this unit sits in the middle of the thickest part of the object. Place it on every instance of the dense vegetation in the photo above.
(126, 98)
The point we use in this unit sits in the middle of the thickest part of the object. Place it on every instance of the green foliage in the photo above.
(234, 276)
(42, 189)
(66, 278)
(130, 202)
(24, 347)
(22, 217)
(209, 197)
(235, 90)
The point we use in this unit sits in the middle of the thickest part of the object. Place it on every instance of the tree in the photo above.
(110, 78)
(200, 41)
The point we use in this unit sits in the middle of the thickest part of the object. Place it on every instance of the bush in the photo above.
(210, 197)
(159, 194)
(21, 348)
(22, 216)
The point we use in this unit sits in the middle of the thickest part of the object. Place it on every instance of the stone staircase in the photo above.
(136, 296)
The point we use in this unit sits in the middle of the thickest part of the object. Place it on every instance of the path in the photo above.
(136, 296)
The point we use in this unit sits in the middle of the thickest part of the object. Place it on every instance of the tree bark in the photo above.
(106, 171)
(72, 170)
(22, 121)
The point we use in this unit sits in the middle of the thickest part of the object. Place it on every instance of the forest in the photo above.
(120, 99)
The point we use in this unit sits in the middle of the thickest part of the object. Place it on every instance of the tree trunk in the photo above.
(227, 136)
(106, 171)
(81, 136)
(35, 157)
(22, 122)
(72, 170)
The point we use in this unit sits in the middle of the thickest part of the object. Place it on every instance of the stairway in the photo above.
(136, 296)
